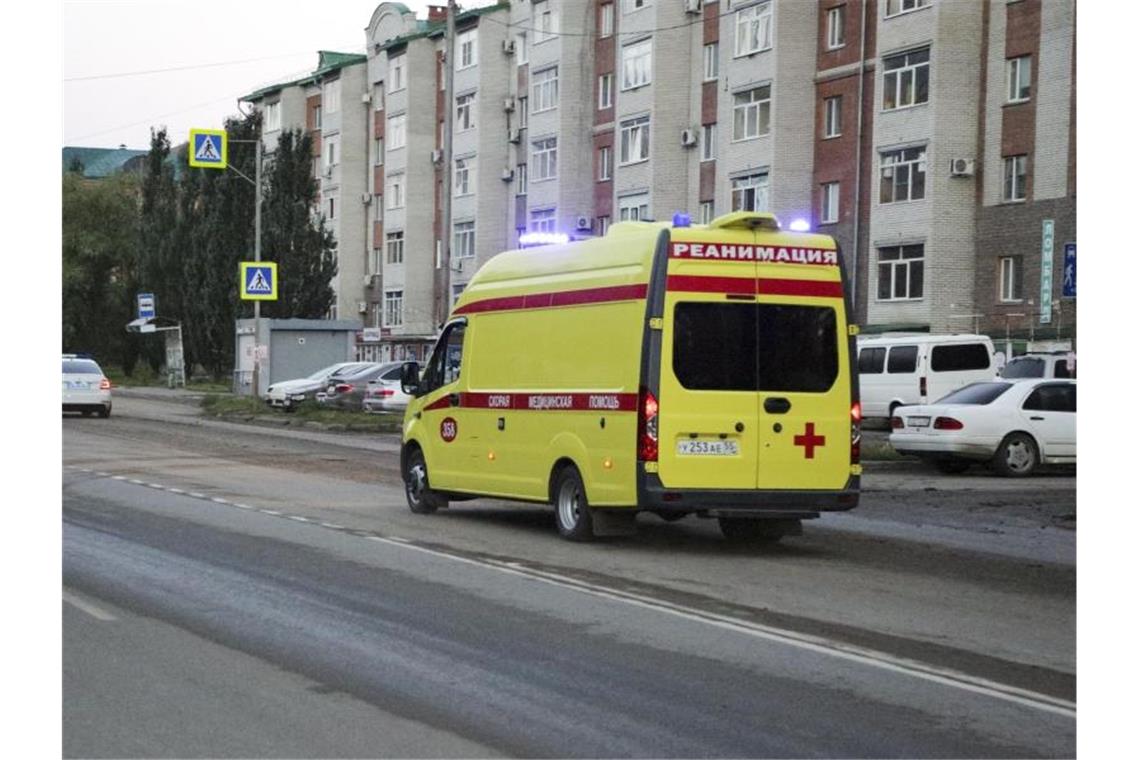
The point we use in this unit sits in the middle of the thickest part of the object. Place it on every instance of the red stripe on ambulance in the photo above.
(557, 298)
(574, 402)
(750, 286)
(763, 253)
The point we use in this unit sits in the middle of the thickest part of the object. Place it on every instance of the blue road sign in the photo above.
(1069, 278)
(208, 148)
(259, 281)
(146, 305)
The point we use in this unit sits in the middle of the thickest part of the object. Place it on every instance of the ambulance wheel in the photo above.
(571, 510)
(741, 530)
(421, 499)
(1016, 457)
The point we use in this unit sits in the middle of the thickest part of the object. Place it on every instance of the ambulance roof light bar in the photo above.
(749, 220)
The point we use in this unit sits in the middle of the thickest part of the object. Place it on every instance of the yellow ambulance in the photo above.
(668, 368)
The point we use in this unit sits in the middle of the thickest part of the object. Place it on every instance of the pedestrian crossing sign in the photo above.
(208, 148)
(259, 281)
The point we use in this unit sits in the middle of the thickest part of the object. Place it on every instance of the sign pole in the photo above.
(257, 257)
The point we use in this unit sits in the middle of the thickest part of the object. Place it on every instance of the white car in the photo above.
(1015, 425)
(384, 394)
(85, 388)
(288, 393)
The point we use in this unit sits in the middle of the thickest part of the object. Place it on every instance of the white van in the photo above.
(895, 370)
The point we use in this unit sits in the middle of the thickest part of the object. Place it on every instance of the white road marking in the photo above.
(196, 495)
(87, 607)
(334, 526)
(262, 511)
(217, 500)
(817, 644)
(137, 482)
(298, 518)
(175, 490)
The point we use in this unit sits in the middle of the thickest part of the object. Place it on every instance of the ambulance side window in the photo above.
(443, 369)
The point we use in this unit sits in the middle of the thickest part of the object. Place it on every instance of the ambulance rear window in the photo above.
(755, 347)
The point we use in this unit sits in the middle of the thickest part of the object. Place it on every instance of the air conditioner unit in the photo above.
(367, 280)
(366, 198)
(366, 98)
(436, 156)
(688, 138)
(692, 6)
(961, 167)
(509, 47)
(509, 105)
(513, 136)
(507, 175)
(362, 307)
(582, 223)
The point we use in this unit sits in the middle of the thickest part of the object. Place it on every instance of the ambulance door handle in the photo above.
(453, 399)
(777, 405)
(502, 423)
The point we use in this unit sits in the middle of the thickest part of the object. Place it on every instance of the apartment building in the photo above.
(933, 138)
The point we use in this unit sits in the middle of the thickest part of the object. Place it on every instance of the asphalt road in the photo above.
(236, 592)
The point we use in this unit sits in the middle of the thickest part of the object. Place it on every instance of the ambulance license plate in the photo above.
(918, 421)
(708, 448)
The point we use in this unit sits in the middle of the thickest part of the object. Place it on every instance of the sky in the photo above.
(221, 51)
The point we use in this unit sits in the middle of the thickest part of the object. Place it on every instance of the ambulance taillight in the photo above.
(647, 426)
(856, 430)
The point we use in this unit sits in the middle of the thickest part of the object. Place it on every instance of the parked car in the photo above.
(895, 370)
(384, 394)
(347, 392)
(286, 394)
(1014, 425)
(85, 388)
(1041, 365)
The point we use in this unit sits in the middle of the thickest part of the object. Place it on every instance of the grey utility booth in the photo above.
(289, 349)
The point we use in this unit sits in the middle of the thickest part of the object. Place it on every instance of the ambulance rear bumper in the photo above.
(652, 495)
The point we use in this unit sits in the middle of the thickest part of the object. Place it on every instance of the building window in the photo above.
(895, 7)
(273, 116)
(520, 49)
(751, 111)
(545, 89)
(331, 158)
(906, 79)
(606, 22)
(753, 29)
(900, 272)
(707, 212)
(377, 209)
(545, 22)
(833, 116)
(836, 20)
(374, 260)
(316, 117)
(712, 64)
(829, 203)
(636, 64)
(395, 191)
(605, 91)
(524, 103)
(393, 308)
(467, 42)
(750, 193)
(1013, 187)
(631, 208)
(544, 158)
(378, 151)
(520, 179)
(542, 220)
(394, 247)
(330, 99)
(605, 163)
(464, 176)
(635, 140)
(1018, 72)
(464, 245)
(465, 112)
(708, 142)
(397, 68)
(902, 175)
(1010, 278)
(397, 131)
(456, 291)
(603, 225)
(629, 6)
(332, 208)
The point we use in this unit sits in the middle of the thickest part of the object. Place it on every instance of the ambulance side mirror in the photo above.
(410, 378)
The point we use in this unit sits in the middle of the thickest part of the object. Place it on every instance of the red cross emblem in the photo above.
(809, 440)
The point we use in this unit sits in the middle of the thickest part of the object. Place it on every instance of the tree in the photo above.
(294, 236)
(99, 251)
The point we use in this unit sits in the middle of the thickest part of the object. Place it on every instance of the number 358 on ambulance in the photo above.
(676, 369)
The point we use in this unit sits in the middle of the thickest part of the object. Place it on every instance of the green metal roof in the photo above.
(99, 162)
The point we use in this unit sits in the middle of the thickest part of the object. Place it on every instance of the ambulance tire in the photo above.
(744, 530)
(571, 510)
(421, 499)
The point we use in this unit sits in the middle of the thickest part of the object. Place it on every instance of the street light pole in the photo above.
(257, 257)
(445, 192)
